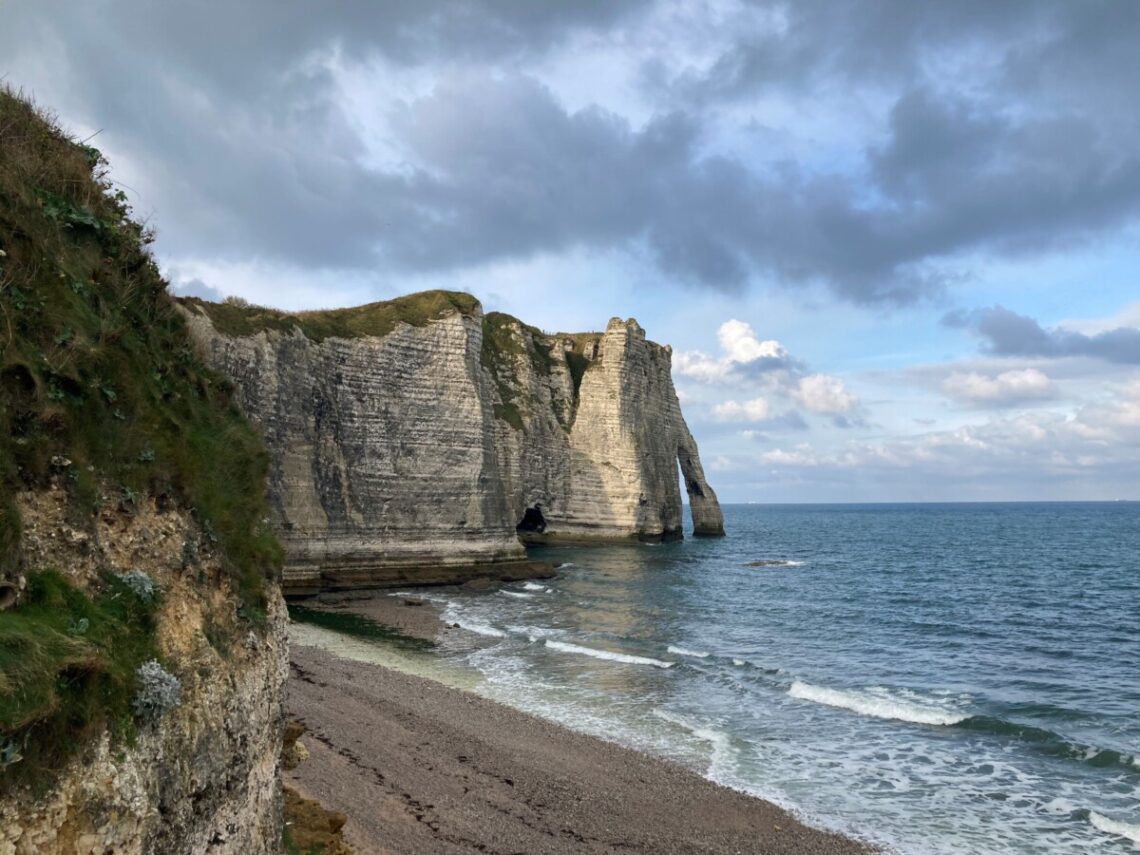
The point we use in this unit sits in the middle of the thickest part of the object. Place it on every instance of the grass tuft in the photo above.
(69, 666)
(99, 383)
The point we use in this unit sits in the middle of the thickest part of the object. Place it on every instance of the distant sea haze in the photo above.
(940, 678)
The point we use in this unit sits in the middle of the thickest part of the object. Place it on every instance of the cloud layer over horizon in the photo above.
(870, 229)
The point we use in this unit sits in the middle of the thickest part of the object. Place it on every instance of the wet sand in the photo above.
(422, 768)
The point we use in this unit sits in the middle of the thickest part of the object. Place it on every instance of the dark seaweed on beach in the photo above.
(358, 626)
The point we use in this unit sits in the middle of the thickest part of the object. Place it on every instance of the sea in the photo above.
(935, 678)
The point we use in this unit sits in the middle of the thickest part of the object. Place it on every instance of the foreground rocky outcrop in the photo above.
(417, 440)
(142, 628)
(203, 776)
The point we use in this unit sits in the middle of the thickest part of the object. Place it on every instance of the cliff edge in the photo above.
(420, 440)
(142, 629)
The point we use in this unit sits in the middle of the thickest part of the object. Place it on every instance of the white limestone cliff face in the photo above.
(382, 459)
(599, 462)
(413, 456)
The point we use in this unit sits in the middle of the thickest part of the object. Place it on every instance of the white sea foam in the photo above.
(534, 633)
(481, 629)
(684, 651)
(877, 703)
(629, 659)
(534, 586)
(739, 663)
(720, 760)
(1115, 826)
(517, 594)
(564, 565)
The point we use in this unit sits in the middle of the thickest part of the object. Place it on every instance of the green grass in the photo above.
(292, 847)
(502, 348)
(99, 384)
(238, 318)
(101, 393)
(67, 670)
(359, 626)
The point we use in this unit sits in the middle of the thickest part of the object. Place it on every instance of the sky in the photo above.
(894, 245)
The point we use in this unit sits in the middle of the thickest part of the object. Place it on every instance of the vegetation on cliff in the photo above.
(235, 317)
(68, 665)
(102, 396)
(502, 342)
(506, 339)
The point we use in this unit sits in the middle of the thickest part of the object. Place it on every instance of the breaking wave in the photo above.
(684, 651)
(627, 658)
(877, 703)
(1115, 826)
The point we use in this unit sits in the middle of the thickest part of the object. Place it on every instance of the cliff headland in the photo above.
(422, 441)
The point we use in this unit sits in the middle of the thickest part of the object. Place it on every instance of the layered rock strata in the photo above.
(422, 450)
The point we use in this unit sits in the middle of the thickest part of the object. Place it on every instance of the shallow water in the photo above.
(941, 678)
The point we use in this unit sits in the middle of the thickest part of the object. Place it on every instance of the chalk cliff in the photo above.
(416, 440)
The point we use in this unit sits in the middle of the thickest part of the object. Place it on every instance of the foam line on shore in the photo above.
(480, 628)
(684, 651)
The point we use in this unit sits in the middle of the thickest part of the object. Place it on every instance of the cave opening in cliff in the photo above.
(533, 521)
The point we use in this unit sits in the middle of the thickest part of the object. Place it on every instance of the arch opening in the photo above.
(532, 522)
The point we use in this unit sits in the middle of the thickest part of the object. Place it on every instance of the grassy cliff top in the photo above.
(102, 397)
(237, 318)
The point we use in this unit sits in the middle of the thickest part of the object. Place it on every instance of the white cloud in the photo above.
(756, 410)
(1128, 316)
(741, 345)
(742, 349)
(701, 367)
(767, 364)
(1091, 452)
(1009, 387)
(720, 463)
(824, 394)
(802, 455)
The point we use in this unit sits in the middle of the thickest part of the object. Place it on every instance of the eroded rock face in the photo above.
(597, 456)
(205, 775)
(383, 462)
(422, 454)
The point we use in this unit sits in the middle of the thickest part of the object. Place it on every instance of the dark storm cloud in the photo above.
(232, 113)
(1025, 47)
(1012, 129)
(1006, 333)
